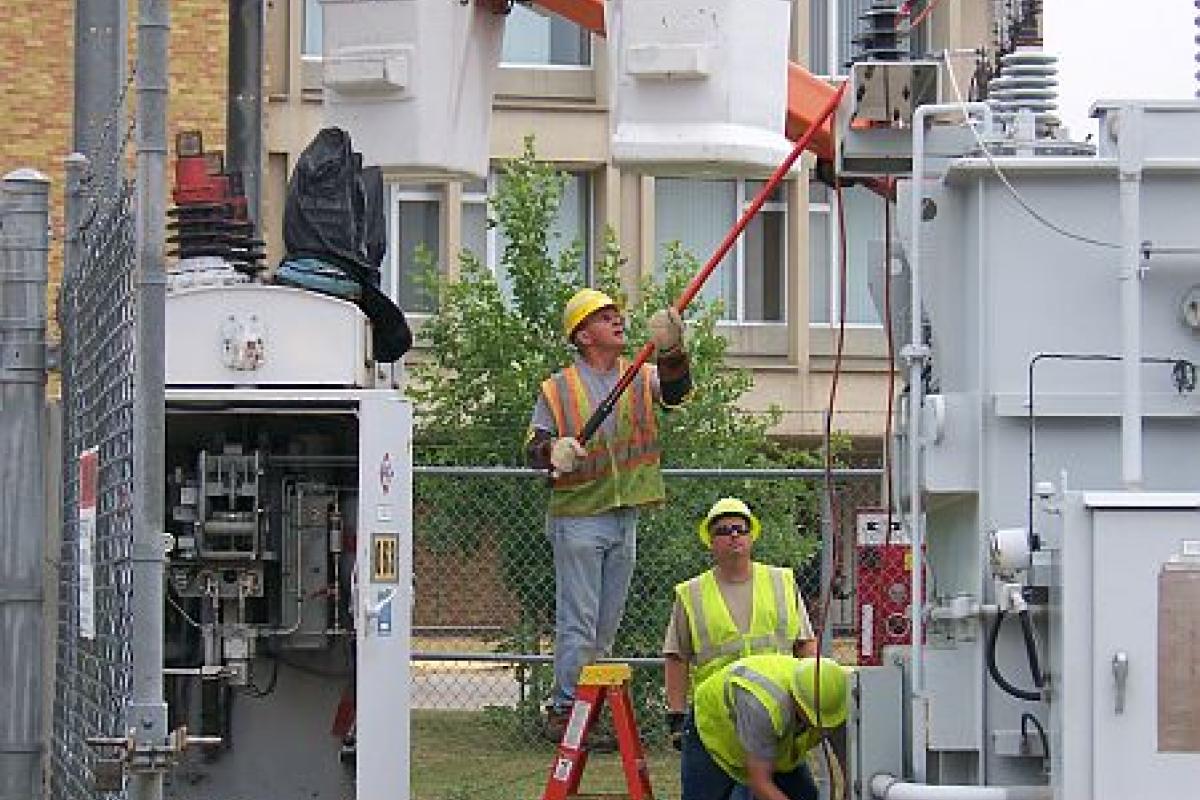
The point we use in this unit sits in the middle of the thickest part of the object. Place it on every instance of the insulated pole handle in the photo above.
(606, 406)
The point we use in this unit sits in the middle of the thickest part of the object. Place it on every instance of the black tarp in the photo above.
(335, 213)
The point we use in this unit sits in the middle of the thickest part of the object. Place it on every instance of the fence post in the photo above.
(244, 109)
(147, 711)
(24, 246)
(99, 108)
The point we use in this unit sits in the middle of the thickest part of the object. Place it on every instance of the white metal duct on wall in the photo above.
(412, 82)
(699, 87)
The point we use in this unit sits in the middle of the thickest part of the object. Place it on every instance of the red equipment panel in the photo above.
(883, 577)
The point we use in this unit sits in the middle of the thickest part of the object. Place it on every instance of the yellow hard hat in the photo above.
(583, 304)
(727, 506)
(833, 682)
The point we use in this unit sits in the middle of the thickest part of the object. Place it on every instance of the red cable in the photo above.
(925, 12)
(891, 362)
(697, 282)
(835, 562)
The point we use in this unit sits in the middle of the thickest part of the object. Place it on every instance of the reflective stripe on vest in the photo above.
(716, 640)
(767, 678)
(621, 469)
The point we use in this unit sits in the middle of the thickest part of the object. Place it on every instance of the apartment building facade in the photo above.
(779, 286)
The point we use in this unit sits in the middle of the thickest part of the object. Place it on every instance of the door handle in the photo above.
(1120, 668)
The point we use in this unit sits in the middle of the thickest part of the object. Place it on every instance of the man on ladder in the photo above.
(599, 487)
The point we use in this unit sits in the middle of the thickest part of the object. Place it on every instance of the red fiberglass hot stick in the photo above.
(693, 288)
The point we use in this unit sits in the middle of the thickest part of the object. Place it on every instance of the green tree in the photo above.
(475, 395)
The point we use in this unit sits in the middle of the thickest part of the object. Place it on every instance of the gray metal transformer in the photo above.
(289, 570)
(1058, 468)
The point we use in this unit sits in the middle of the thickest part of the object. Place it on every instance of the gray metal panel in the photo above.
(24, 231)
(1131, 547)
(1002, 285)
(954, 714)
(952, 462)
(874, 732)
(384, 610)
(1168, 127)
(285, 319)
(279, 745)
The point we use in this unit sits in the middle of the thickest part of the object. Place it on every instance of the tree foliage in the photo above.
(474, 397)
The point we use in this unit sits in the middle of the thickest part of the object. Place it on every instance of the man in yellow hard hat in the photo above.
(754, 722)
(598, 487)
(738, 608)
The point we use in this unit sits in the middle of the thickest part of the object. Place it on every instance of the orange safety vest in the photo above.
(621, 471)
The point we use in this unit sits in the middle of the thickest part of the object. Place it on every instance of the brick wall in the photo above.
(37, 42)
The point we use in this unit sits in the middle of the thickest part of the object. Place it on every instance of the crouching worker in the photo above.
(753, 723)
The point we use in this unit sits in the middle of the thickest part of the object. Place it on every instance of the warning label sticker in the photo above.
(385, 553)
(579, 714)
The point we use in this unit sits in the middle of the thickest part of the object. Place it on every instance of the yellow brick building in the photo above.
(37, 67)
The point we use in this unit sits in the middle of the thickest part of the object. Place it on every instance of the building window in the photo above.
(416, 228)
(864, 216)
(535, 38)
(310, 41)
(572, 223)
(751, 280)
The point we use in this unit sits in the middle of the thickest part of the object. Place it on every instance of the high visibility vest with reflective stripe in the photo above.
(618, 471)
(766, 677)
(716, 640)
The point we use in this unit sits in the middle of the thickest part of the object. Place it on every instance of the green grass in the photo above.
(460, 755)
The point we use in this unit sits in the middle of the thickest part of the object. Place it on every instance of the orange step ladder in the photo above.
(597, 683)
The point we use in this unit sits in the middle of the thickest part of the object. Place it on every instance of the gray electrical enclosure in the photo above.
(875, 729)
(1058, 460)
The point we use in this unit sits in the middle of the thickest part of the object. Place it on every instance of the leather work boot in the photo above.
(554, 723)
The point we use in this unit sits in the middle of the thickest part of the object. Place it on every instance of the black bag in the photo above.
(335, 213)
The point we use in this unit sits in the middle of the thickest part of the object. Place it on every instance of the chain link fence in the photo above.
(483, 616)
(96, 309)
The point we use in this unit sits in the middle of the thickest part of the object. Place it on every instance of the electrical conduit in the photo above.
(888, 787)
(916, 353)
(1129, 159)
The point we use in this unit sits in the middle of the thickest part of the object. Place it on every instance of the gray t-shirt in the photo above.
(752, 722)
(597, 385)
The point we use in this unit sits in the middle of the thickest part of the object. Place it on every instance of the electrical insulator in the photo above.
(210, 216)
(882, 38)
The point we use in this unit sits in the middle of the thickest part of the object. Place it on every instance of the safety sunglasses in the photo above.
(731, 530)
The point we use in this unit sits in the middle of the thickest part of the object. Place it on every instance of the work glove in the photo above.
(565, 454)
(675, 720)
(666, 332)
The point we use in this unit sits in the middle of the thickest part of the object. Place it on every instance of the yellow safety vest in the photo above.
(768, 678)
(621, 471)
(716, 640)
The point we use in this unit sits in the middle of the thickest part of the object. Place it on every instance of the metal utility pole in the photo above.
(100, 58)
(24, 246)
(244, 110)
(147, 713)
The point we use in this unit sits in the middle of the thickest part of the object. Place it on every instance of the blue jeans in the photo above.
(703, 778)
(593, 564)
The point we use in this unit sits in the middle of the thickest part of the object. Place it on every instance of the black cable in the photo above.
(1028, 717)
(1035, 669)
(994, 671)
(1183, 377)
(253, 691)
